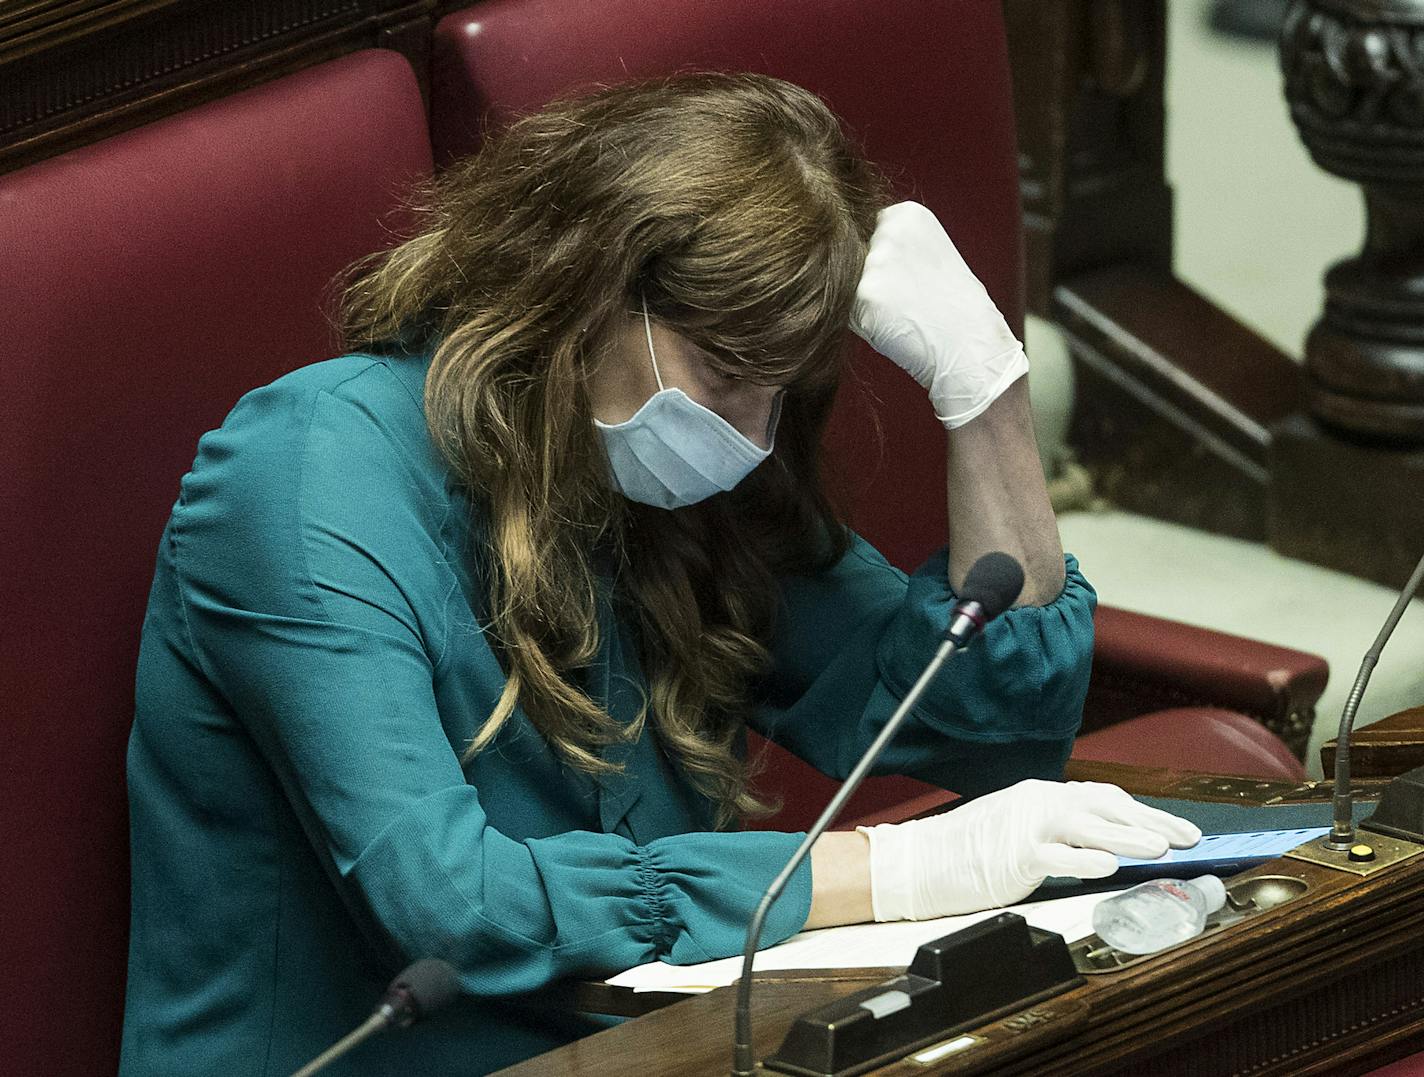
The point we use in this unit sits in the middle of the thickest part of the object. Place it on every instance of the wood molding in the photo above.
(34, 26)
(1383, 749)
(1175, 398)
(73, 72)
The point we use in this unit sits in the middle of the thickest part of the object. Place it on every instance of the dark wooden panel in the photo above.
(1175, 398)
(1185, 349)
(1088, 81)
(71, 73)
(1382, 749)
(1349, 505)
(31, 26)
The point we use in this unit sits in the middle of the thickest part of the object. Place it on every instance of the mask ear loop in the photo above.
(648, 329)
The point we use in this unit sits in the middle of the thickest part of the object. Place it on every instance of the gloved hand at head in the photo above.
(921, 306)
(997, 849)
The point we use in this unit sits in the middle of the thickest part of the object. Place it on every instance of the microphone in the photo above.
(1342, 831)
(990, 587)
(417, 992)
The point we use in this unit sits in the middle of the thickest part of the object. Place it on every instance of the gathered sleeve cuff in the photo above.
(1023, 678)
(853, 640)
(514, 916)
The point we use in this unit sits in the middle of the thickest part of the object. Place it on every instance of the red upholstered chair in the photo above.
(924, 85)
(147, 282)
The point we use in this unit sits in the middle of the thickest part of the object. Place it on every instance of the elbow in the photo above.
(489, 959)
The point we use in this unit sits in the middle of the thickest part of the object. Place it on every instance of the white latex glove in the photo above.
(920, 305)
(996, 849)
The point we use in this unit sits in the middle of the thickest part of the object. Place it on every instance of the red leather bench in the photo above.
(148, 281)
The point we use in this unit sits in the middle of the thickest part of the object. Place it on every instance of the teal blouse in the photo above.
(313, 663)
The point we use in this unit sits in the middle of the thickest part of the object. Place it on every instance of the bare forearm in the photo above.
(840, 880)
(998, 499)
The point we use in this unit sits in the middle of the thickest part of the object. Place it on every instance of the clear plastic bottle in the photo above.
(1158, 914)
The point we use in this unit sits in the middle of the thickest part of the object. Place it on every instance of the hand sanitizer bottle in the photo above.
(1158, 914)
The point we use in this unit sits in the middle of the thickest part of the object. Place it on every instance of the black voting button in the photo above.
(957, 982)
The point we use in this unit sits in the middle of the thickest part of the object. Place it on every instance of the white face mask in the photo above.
(674, 452)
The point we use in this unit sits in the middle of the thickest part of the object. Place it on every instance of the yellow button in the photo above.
(1361, 853)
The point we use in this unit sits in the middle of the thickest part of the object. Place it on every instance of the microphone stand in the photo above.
(743, 1064)
(379, 1021)
(1342, 831)
(421, 989)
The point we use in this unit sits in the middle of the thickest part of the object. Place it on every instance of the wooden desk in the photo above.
(1384, 748)
(1331, 982)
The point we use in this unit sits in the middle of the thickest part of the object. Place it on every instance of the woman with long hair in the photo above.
(454, 640)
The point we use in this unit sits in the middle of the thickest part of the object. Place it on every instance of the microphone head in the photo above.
(994, 581)
(422, 989)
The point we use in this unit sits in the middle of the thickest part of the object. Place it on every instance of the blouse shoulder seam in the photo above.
(182, 589)
(300, 505)
(440, 646)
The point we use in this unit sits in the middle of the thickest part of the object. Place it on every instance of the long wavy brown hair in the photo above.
(736, 205)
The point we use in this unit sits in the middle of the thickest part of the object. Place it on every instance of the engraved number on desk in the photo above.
(1022, 1022)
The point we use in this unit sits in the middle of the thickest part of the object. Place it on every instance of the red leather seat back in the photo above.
(924, 86)
(1177, 739)
(147, 282)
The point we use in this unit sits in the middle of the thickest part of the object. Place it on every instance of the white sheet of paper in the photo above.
(858, 946)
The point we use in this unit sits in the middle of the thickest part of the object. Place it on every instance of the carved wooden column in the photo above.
(1348, 473)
